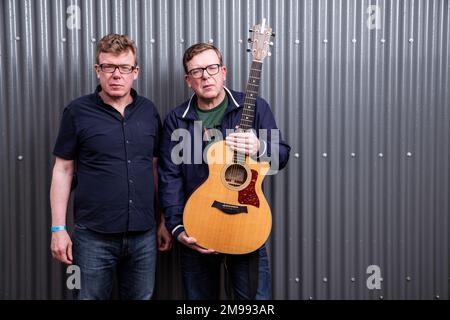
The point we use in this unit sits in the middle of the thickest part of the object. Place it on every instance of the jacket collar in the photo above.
(188, 112)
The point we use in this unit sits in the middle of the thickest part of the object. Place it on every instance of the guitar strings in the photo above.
(239, 158)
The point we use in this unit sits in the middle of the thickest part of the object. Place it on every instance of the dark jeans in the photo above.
(201, 275)
(131, 256)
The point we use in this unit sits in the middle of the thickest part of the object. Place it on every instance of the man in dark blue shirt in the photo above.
(111, 138)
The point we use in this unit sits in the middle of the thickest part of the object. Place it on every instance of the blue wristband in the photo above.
(58, 228)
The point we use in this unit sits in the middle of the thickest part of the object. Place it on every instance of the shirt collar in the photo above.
(100, 100)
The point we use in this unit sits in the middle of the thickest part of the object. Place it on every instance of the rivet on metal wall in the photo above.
(152, 40)
(240, 41)
(324, 155)
(380, 155)
(325, 40)
(297, 155)
(353, 40)
(409, 154)
(181, 40)
(411, 40)
(352, 154)
(383, 40)
(297, 279)
(310, 297)
(408, 278)
(211, 40)
(20, 158)
(437, 297)
(352, 279)
(325, 280)
(63, 39)
(17, 38)
(381, 297)
(297, 41)
(93, 40)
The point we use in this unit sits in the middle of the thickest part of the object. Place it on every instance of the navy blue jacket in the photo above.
(178, 180)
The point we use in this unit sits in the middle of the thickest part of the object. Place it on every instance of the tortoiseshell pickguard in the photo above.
(248, 195)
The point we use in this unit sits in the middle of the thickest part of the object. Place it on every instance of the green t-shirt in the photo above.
(212, 119)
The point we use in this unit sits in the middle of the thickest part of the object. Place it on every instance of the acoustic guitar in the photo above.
(228, 212)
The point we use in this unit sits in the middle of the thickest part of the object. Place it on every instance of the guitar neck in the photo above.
(250, 95)
(248, 113)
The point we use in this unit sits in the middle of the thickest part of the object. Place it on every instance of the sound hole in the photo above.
(235, 175)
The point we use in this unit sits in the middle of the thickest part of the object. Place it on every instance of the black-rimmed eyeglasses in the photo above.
(212, 69)
(111, 68)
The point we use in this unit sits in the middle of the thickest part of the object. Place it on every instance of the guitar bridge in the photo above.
(229, 208)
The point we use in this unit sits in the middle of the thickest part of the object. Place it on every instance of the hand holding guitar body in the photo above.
(192, 243)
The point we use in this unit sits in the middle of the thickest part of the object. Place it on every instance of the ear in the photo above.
(97, 70)
(135, 73)
(188, 80)
(224, 71)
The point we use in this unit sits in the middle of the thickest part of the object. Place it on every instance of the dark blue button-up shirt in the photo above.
(114, 162)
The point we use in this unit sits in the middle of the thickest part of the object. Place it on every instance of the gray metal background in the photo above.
(359, 88)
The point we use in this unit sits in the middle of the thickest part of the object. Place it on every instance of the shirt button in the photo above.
(131, 180)
(128, 141)
(124, 123)
(131, 201)
(129, 161)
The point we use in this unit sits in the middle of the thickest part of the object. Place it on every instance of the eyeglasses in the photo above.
(197, 73)
(111, 68)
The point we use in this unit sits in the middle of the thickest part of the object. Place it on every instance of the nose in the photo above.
(205, 75)
(116, 73)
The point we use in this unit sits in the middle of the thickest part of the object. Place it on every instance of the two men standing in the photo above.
(114, 139)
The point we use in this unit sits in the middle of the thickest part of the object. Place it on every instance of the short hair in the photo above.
(195, 49)
(116, 43)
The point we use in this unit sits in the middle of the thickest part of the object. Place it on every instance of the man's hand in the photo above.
(61, 247)
(192, 243)
(243, 142)
(164, 237)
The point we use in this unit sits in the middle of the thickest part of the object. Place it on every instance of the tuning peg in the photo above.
(271, 43)
(273, 34)
(249, 50)
(269, 54)
(250, 30)
(249, 40)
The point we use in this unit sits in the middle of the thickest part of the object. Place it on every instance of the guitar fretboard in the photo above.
(248, 113)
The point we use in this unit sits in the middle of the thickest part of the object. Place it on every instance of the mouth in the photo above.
(208, 86)
(116, 86)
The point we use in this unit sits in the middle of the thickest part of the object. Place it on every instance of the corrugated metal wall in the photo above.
(360, 89)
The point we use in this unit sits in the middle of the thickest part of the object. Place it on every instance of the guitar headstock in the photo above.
(260, 41)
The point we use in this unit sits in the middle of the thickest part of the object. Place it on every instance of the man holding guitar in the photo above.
(215, 109)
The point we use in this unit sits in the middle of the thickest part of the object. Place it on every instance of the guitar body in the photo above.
(228, 212)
